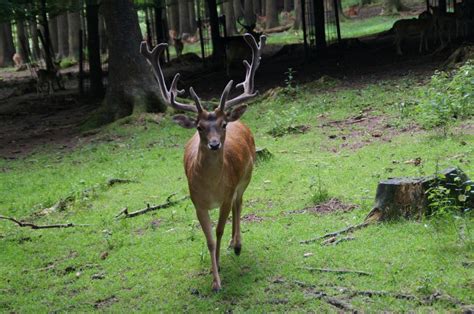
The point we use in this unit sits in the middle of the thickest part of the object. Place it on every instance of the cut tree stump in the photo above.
(408, 197)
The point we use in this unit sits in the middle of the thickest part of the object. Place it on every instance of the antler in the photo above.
(168, 95)
(248, 83)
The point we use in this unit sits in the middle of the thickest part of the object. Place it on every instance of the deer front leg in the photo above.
(205, 221)
(236, 210)
(223, 215)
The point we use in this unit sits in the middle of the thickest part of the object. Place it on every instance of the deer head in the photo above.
(211, 125)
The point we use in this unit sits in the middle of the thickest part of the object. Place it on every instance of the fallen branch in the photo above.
(336, 241)
(34, 226)
(113, 181)
(371, 293)
(339, 271)
(149, 208)
(333, 234)
(319, 294)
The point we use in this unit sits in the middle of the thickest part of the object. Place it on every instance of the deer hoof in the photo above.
(216, 286)
(237, 249)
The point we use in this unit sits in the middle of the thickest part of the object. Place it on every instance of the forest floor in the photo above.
(334, 132)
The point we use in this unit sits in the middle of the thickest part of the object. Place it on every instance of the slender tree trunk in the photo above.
(287, 5)
(74, 25)
(131, 87)
(192, 16)
(257, 7)
(7, 49)
(53, 34)
(271, 13)
(249, 14)
(22, 41)
(229, 17)
(48, 51)
(184, 27)
(297, 23)
(174, 17)
(151, 14)
(34, 39)
(93, 47)
(103, 35)
(63, 36)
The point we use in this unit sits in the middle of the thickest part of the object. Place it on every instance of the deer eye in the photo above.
(224, 125)
(199, 128)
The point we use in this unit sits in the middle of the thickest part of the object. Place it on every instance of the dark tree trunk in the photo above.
(53, 34)
(192, 16)
(287, 5)
(184, 27)
(48, 50)
(174, 17)
(7, 49)
(160, 24)
(297, 23)
(249, 14)
(74, 25)
(257, 7)
(102, 35)
(63, 36)
(229, 17)
(34, 39)
(151, 15)
(132, 87)
(238, 9)
(93, 47)
(217, 43)
(22, 41)
(271, 13)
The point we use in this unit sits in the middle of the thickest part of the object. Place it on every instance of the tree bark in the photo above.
(22, 41)
(257, 7)
(184, 27)
(192, 17)
(63, 36)
(271, 14)
(132, 87)
(34, 39)
(174, 17)
(287, 5)
(93, 47)
(7, 49)
(103, 35)
(297, 23)
(53, 34)
(229, 17)
(249, 14)
(74, 25)
(238, 9)
(217, 43)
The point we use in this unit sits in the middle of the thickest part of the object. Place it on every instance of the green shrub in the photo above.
(448, 97)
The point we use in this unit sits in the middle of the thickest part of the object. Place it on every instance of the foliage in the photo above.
(449, 97)
(67, 62)
(319, 192)
(450, 199)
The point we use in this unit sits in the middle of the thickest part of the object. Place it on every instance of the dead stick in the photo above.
(34, 226)
(333, 234)
(149, 208)
(339, 271)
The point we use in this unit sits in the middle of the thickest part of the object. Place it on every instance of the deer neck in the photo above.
(211, 163)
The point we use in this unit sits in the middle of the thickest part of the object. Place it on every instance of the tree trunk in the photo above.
(217, 43)
(174, 17)
(229, 17)
(74, 25)
(287, 5)
(297, 23)
(151, 14)
(393, 6)
(132, 87)
(238, 9)
(34, 39)
(192, 16)
(184, 27)
(93, 48)
(22, 41)
(257, 7)
(63, 36)
(249, 14)
(53, 34)
(7, 49)
(271, 14)
(102, 35)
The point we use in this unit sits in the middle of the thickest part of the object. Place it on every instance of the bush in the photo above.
(449, 97)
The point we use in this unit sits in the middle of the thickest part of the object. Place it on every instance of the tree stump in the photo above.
(408, 197)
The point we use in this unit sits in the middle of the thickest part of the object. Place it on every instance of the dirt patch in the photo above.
(331, 206)
(361, 130)
(99, 304)
(252, 218)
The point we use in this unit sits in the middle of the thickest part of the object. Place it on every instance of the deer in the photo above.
(17, 60)
(420, 26)
(219, 157)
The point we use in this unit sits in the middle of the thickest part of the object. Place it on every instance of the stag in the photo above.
(219, 158)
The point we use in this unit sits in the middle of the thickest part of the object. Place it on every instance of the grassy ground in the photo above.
(159, 261)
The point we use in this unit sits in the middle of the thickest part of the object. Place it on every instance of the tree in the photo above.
(102, 35)
(287, 5)
(22, 41)
(63, 36)
(238, 9)
(393, 6)
(271, 13)
(229, 17)
(7, 48)
(249, 14)
(257, 7)
(297, 23)
(34, 39)
(192, 16)
(184, 27)
(173, 13)
(93, 47)
(131, 87)
(74, 25)
(53, 33)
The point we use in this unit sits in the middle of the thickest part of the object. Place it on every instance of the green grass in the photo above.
(364, 27)
(159, 261)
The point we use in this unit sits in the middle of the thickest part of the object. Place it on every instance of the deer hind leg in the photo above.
(205, 221)
(236, 241)
(223, 215)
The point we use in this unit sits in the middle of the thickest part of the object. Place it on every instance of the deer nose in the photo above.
(214, 145)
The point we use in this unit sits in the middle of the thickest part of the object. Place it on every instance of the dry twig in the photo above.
(149, 208)
(336, 233)
(339, 271)
(336, 241)
(34, 226)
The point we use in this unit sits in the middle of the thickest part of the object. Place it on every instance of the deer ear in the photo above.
(236, 113)
(184, 121)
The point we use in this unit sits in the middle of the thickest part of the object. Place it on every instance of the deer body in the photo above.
(219, 157)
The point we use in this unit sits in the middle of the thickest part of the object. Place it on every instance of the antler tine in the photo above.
(168, 95)
(197, 101)
(225, 94)
(250, 69)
